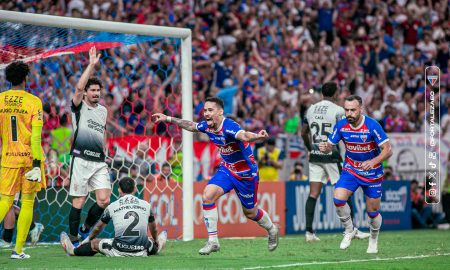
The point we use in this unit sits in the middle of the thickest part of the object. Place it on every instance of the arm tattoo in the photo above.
(185, 124)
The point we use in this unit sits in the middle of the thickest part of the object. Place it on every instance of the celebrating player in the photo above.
(238, 170)
(22, 167)
(320, 120)
(131, 218)
(88, 170)
(363, 137)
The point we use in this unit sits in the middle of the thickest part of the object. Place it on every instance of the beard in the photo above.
(353, 120)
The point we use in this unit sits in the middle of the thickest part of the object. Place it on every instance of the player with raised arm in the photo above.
(320, 120)
(238, 169)
(88, 169)
(363, 137)
(22, 165)
(131, 217)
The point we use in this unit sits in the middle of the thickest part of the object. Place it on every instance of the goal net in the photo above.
(144, 69)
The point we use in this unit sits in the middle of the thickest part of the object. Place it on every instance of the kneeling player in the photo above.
(131, 217)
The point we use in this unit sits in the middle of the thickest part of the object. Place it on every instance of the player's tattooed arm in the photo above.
(184, 124)
(98, 228)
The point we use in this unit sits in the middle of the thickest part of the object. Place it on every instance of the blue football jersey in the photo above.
(237, 156)
(361, 144)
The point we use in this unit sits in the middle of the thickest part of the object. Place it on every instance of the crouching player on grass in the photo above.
(367, 146)
(131, 218)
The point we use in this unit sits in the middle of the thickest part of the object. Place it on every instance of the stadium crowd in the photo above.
(265, 59)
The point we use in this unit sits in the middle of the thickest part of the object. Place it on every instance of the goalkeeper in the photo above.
(22, 165)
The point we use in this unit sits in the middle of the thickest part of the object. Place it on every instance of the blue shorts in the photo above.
(351, 182)
(246, 190)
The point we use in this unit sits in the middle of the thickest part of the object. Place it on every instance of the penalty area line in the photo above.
(348, 261)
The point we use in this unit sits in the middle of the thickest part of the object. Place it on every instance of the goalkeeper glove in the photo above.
(35, 174)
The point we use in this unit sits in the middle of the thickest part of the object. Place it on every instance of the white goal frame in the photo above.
(186, 82)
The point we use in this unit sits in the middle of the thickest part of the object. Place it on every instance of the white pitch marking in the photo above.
(349, 261)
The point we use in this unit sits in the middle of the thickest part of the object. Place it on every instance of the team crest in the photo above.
(432, 79)
(364, 138)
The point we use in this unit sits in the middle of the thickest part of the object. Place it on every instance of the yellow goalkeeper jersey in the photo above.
(19, 111)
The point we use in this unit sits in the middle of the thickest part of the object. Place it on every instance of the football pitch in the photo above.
(426, 249)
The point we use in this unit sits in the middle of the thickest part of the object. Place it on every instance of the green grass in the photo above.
(242, 253)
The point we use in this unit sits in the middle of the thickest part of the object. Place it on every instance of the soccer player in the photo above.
(131, 218)
(88, 169)
(238, 170)
(320, 120)
(363, 137)
(9, 222)
(22, 165)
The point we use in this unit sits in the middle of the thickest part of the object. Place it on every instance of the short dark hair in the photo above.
(271, 141)
(93, 81)
(354, 97)
(127, 184)
(165, 164)
(329, 89)
(16, 72)
(216, 100)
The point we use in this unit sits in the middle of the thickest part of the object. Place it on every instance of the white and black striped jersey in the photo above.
(89, 131)
(321, 119)
(130, 216)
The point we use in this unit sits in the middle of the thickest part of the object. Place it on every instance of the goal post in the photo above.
(186, 81)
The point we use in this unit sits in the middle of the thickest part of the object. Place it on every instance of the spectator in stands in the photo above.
(61, 139)
(420, 211)
(165, 174)
(270, 160)
(176, 159)
(379, 51)
(297, 173)
(143, 168)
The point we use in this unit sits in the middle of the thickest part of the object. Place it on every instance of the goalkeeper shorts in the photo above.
(13, 180)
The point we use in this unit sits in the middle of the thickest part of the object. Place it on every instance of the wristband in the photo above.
(169, 119)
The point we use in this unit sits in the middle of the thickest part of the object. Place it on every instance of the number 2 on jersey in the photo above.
(13, 128)
(129, 230)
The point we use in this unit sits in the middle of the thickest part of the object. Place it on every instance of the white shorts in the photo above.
(106, 248)
(321, 172)
(86, 176)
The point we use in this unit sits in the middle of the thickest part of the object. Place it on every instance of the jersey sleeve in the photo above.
(231, 128)
(106, 217)
(336, 136)
(378, 133)
(74, 108)
(340, 114)
(37, 118)
(202, 126)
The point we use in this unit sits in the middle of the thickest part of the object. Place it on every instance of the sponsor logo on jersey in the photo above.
(124, 246)
(247, 196)
(91, 153)
(231, 131)
(359, 148)
(377, 134)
